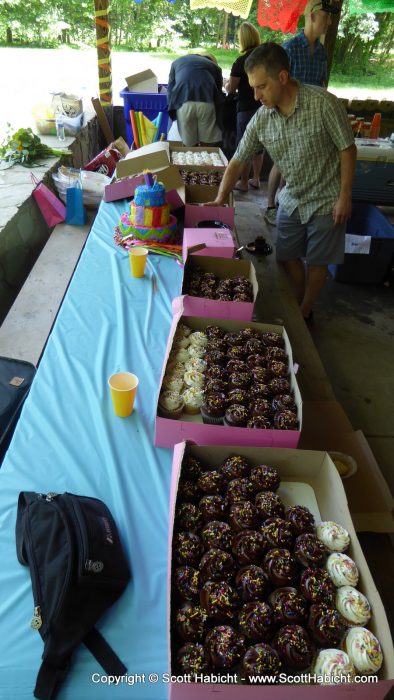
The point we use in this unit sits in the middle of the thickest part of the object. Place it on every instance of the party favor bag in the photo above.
(50, 206)
(75, 211)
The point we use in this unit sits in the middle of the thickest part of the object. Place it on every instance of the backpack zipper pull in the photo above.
(95, 567)
(50, 496)
(37, 619)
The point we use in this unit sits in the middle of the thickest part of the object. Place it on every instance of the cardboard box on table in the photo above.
(311, 479)
(196, 209)
(191, 427)
(223, 268)
(174, 148)
(211, 242)
(144, 81)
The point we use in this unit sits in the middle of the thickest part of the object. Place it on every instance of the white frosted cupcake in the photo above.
(182, 330)
(342, 570)
(171, 383)
(193, 398)
(170, 405)
(198, 338)
(181, 341)
(194, 378)
(175, 369)
(196, 350)
(363, 649)
(195, 363)
(331, 665)
(179, 355)
(353, 606)
(333, 536)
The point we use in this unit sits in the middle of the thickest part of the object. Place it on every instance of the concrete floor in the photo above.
(353, 333)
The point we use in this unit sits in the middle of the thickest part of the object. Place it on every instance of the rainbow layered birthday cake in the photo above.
(149, 218)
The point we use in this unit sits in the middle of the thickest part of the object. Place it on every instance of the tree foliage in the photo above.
(362, 39)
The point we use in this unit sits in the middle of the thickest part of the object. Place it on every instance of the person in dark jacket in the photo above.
(195, 97)
(247, 106)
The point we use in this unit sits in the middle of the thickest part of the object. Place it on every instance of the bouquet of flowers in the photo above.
(25, 148)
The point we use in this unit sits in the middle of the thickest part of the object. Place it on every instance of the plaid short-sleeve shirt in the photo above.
(305, 145)
(307, 68)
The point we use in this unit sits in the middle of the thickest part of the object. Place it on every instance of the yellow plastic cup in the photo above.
(137, 257)
(123, 387)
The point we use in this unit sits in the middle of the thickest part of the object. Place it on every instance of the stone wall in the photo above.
(23, 231)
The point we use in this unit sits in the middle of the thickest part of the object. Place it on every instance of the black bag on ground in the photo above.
(16, 377)
(78, 569)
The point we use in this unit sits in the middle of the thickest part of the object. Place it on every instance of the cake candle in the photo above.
(148, 178)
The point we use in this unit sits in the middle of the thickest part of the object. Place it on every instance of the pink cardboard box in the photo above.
(309, 478)
(191, 427)
(214, 242)
(223, 268)
(196, 210)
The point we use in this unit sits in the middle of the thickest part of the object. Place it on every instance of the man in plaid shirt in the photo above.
(308, 64)
(306, 131)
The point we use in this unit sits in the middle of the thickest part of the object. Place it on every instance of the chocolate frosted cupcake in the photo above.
(243, 516)
(316, 586)
(309, 551)
(294, 646)
(237, 366)
(216, 372)
(269, 505)
(216, 344)
(239, 490)
(211, 482)
(214, 332)
(234, 467)
(300, 519)
(260, 407)
(215, 357)
(261, 375)
(248, 547)
(219, 600)
(252, 583)
(216, 565)
(325, 625)
(288, 605)
(265, 478)
(213, 409)
(238, 396)
(188, 517)
(281, 567)
(279, 385)
(256, 621)
(192, 658)
(259, 391)
(259, 423)
(255, 346)
(217, 534)
(286, 420)
(188, 490)
(239, 380)
(191, 622)
(236, 416)
(224, 646)
(281, 402)
(236, 352)
(188, 548)
(277, 533)
(187, 582)
(215, 386)
(275, 353)
(261, 659)
(271, 338)
(191, 467)
(212, 507)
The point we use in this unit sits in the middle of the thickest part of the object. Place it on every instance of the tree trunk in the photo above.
(225, 30)
(9, 35)
(103, 43)
(330, 38)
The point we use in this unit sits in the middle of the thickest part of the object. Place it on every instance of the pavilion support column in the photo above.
(103, 43)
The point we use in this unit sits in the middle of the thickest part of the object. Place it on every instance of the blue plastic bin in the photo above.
(367, 220)
(150, 103)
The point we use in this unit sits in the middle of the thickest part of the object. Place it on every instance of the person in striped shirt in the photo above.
(306, 131)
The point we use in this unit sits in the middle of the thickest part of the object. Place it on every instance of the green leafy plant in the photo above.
(25, 148)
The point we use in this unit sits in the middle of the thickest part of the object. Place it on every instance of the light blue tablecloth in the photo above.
(68, 439)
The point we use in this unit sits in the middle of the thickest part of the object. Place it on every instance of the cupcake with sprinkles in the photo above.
(333, 536)
(353, 606)
(342, 570)
(364, 650)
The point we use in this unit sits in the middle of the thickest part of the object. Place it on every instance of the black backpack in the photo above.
(78, 569)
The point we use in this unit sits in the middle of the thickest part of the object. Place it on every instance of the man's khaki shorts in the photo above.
(197, 123)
